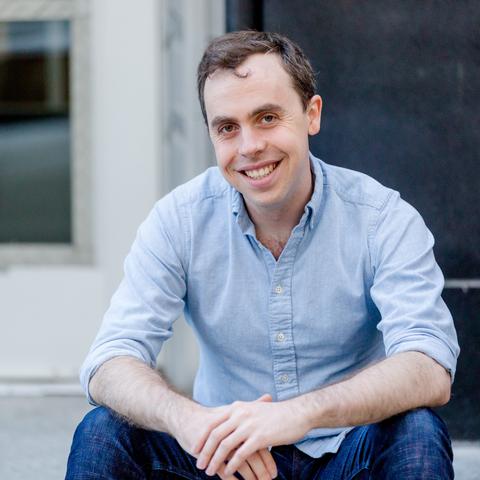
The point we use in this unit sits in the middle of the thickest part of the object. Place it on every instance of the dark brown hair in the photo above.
(232, 49)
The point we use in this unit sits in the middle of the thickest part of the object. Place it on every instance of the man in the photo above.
(312, 290)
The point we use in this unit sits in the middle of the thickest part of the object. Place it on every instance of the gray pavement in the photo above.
(35, 437)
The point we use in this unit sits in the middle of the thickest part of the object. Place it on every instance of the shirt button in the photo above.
(278, 289)
(280, 337)
(284, 378)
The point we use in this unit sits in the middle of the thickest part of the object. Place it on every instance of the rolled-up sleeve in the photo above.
(408, 284)
(151, 295)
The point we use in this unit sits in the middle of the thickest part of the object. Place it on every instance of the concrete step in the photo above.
(36, 433)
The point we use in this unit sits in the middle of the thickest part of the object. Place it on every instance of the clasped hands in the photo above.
(236, 437)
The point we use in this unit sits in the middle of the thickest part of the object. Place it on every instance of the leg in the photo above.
(106, 447)
(415, 445)
(410, 446)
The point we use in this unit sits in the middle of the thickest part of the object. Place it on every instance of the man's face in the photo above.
(259, 130)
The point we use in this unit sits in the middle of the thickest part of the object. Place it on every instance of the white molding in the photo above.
(80, 251)
(80, 75)
(18, 10)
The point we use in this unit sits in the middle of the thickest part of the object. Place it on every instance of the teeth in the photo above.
(261, 172)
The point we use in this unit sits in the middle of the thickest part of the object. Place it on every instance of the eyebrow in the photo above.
(267, 107)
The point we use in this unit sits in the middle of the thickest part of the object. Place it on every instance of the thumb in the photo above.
(266, 397)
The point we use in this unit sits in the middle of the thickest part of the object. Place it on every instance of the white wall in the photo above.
(49, 315)
(143, 61)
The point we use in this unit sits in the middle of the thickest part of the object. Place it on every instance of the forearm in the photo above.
(396, 384)
(137, 392)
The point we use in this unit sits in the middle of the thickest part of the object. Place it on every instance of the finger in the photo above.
(240, 456)
(211, 445)
(224, 448)
(246, 472)
(223, 415)
(223, 476)
(266, 397)
(258, 467)
(269, 462)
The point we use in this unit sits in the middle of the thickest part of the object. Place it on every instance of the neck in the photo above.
(278, 223)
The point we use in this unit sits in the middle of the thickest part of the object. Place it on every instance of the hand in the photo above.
(248, 428)
(258, 466)
(191, 423)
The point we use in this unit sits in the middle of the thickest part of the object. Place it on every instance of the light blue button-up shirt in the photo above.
(356, 282)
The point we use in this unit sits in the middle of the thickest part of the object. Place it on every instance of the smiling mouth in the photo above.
(263, 172)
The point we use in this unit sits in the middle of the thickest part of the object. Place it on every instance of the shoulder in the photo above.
(209, 185)
(185, 207)
(354, 187)
(207, 188)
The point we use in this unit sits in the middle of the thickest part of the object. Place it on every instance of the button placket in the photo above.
(281, 317)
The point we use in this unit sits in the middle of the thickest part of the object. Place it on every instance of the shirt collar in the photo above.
(240, 212)
(312, 208)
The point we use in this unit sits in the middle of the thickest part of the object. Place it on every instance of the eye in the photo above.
(268, 118)
(226, 129)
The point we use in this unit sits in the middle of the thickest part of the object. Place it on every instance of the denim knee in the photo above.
(415, 444)
(421, 423)
(101, 422)
(100, 442)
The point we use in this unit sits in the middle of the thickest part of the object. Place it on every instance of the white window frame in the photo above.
(80, 250)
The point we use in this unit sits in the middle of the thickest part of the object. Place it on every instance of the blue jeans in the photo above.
(413, 445)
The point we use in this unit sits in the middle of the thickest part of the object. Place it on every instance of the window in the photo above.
(44, 194)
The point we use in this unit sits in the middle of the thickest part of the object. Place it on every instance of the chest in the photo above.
(312, 297)
(275, 245)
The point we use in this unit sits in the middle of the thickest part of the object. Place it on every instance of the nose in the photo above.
(251, 143)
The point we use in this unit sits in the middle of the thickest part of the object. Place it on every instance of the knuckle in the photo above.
(222, 450)
(240, 457)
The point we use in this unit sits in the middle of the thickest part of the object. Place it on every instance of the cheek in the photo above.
(224, 155)
(284, 139)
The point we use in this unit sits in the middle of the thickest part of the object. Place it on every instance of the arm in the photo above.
(402, 382)
(406, 288)
(128, 386)
(397, 384)
(133, 331)
(143, 397)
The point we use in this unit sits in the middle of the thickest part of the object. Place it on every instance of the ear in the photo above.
(314, 114)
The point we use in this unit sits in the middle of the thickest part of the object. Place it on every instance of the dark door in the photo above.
(401, 88)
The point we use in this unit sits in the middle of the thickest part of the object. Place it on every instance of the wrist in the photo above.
(310, 409)
(301, 412)
(175, 413)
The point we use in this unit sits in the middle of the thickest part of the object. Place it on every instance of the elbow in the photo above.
(446, 390)
(443, 397)
(443, 390)
(439, 382)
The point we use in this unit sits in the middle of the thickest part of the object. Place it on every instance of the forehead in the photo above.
(260, 77)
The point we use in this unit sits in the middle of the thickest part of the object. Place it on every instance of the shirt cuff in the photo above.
(432, 347)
